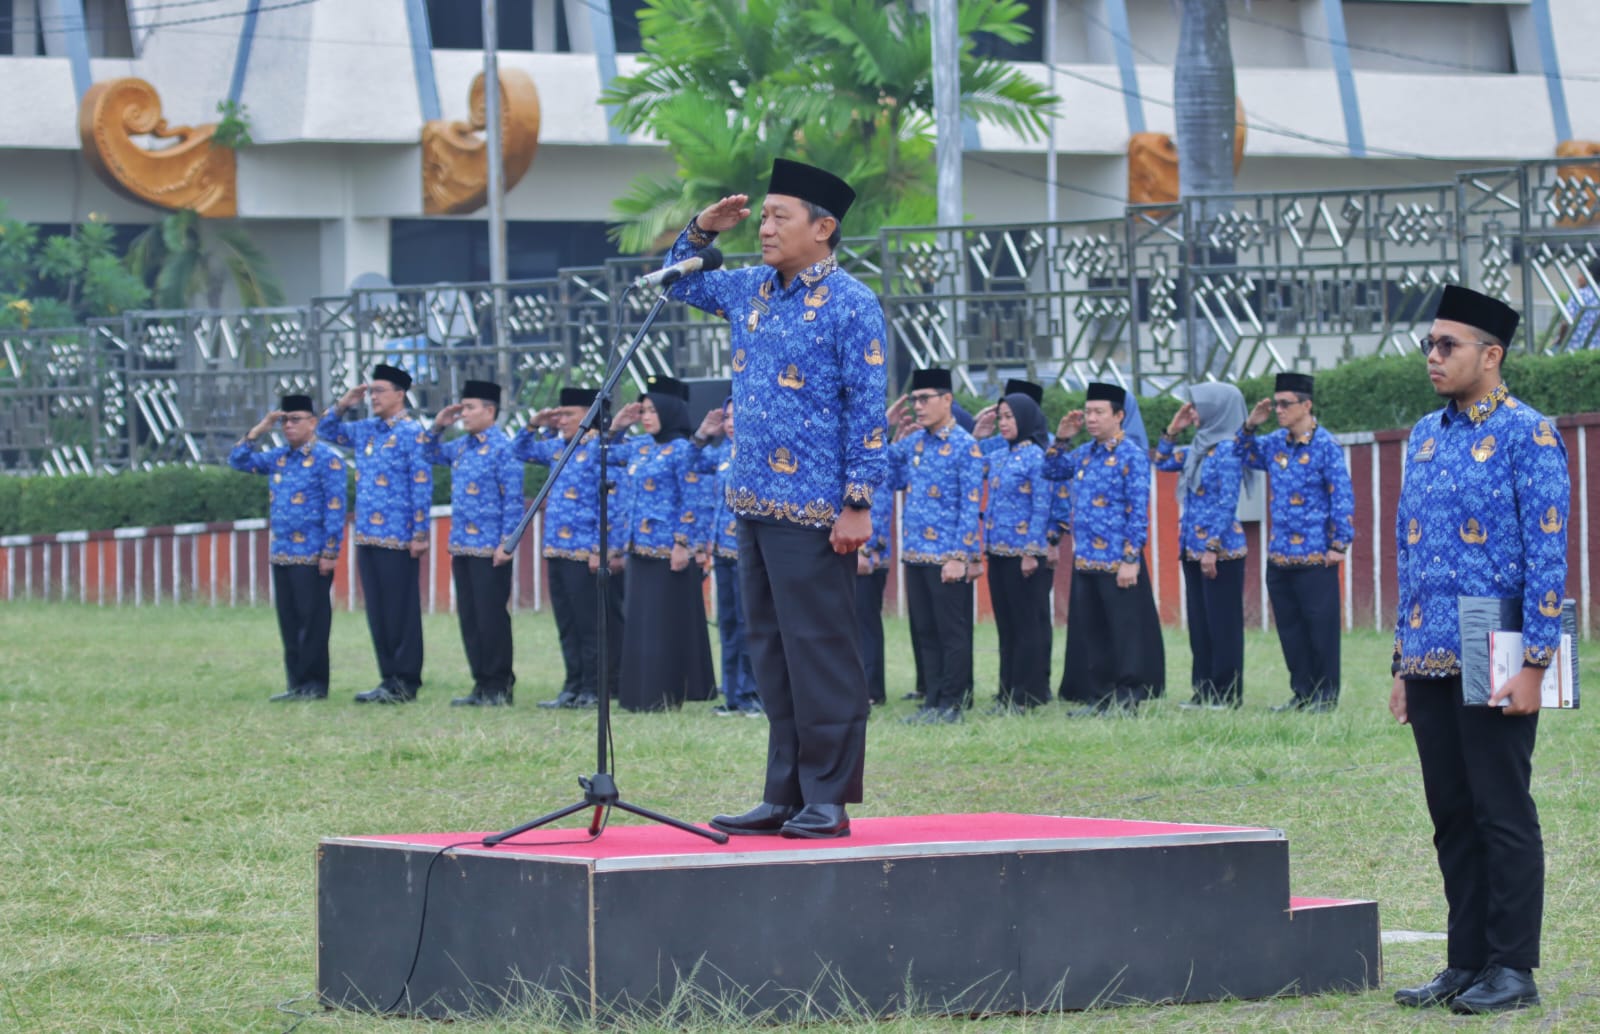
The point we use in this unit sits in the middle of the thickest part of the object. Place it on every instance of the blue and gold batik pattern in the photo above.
(1018, 516)
(572, 508)
(942, 473)
(485, 489)
(879, 547)
(1483, 512)
(722, 529)
(1209, 518)
(307, 490)
(1313, 506)
(809, 386)
(658, 500)
(394, 482)
(1110, 514)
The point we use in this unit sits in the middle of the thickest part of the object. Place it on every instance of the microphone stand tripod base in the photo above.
(600, 793)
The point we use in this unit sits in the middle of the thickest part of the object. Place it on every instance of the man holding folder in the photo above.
(1483, 513)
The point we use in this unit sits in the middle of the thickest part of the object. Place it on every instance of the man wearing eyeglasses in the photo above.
(307, 508)
(1312, 525)
(394, 491)
(1483, 512)
(942, 469)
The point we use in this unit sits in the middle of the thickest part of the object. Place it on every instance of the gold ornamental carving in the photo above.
(455, 155)
(1153, 163)
(190, 172)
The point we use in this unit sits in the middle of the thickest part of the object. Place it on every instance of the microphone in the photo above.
(710, 258)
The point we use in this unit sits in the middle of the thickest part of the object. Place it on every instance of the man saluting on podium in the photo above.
(808, 383)
(1483, 512)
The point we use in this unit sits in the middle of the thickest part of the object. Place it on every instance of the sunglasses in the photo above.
(1445, 345)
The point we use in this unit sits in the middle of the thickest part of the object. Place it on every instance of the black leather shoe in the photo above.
(583, 703)
(762, 820)
(474, 700)
(385, 695)
(818, 822)
(563, 700)
(1294, 704)
(1498, 989)
(1441, 990)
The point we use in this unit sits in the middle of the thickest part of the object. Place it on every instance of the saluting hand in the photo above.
(447, 416)
(544, 418)
(1186, 416)
(1259, 413)
(983, 423)
(725, 214)
(626, 417)
(353, 397)
(1070, 425)
(267, 423)
(711, 425)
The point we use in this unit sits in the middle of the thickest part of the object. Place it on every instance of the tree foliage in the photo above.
(184, 258)
(729, 85)
(61, 281)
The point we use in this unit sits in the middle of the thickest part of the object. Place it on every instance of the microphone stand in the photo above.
(600, 789)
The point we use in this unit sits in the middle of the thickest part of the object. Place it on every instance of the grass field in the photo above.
(160, 818)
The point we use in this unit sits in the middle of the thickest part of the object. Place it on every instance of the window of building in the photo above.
(431, 251)
(33, 28)
(458, 25)
(986, 45)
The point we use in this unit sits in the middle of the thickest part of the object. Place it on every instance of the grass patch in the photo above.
(161, 817)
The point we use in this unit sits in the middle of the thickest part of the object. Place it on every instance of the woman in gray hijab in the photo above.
(1210, 538)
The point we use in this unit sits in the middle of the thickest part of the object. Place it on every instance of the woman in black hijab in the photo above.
(666, 654)
(1015, 522)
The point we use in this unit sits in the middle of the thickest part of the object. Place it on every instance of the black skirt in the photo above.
(666, 649)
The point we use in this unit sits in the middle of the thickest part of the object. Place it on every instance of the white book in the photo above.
(1505, 660)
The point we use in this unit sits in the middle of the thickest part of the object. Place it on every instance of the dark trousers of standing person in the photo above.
(869, 616)
(738, 678)
(917, 621)
(573, 595)
(303, 597)
(805, 647)
(1305, 607)
(1476, 766)
(483, 597)
(1116, 635)
(1018, 604)
(943, 641)
(1215, 609)
(393, 598)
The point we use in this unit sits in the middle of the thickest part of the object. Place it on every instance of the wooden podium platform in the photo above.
(962, 914)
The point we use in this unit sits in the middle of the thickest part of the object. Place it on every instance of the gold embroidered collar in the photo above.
(1480, 410)
(1303, 439)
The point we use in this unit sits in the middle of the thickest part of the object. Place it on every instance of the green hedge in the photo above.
(1370, 394)
(169, 495)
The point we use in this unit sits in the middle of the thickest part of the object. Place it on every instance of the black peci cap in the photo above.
(660, 384)
(809, 183)
(488, 391)
(296, 404)
(1015, 386)
(1490, 315)
(393, 374)
(1099, 391)
(1299, 383)
(578, 397)
(933, 380)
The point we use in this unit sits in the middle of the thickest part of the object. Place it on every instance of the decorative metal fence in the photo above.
(1211, 287)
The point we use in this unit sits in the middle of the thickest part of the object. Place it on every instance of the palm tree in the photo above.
(848, 84)
(184, 257)
(1206, 116)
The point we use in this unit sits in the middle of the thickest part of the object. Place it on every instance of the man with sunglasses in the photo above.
(1483, 512)
(307, 507)
(1312, 523)
(394, 491)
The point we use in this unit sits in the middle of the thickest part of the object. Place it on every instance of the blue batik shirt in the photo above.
(879, 547)
(808, 384)
(485, 489)
(1313, 506)
(658, 501)
(1209, 521)
(942, 473)
(307, 492)
(1110, 515)
(715, 467)
(572, 507)
(1483, 512)
(394, 481)
(1018, 517)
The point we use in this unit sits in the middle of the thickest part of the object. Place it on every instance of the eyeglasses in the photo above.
(1285, 403)
(302, 418)
(922, 398)
(1445, 345)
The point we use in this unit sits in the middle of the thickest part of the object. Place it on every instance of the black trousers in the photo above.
(941, 635)
(1305, 607)
(1476, 766)
(1022, 624)
(666, 656)
(304, 601)
(393, 598)
(869, 615)
(574, 597)
(1114, 646)
(1215, 608)
(483, 598)
(805, 647)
